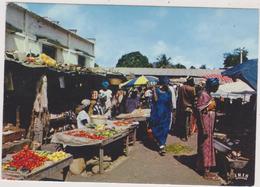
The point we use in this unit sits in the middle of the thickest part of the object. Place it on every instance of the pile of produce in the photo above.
(55, 156)
(84, 134)
(97, 127)
(108, 133)
(25, 159)
(121, 123)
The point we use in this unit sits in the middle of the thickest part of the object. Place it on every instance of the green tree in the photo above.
(192, 67)
(133, 59)
(163, 62)
(179, 66)
(96, 65)
(203, 66)
(232, 59)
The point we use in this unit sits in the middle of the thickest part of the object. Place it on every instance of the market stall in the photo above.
(34, 165)
(141, 116)
(235, 137)
(98, 135)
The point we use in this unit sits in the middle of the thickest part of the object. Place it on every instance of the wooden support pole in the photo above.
(101, 159)
(127, 145)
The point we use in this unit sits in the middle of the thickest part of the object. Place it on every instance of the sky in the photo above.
(190, 36)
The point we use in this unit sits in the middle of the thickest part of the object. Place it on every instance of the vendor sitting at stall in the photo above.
(99, 107)
(82, 115)
(93, 101)
(108, 93)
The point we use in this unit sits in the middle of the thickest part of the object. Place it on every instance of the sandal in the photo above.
(210, 176)
(162, 151)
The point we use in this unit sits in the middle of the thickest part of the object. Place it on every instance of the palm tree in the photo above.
(163, 62)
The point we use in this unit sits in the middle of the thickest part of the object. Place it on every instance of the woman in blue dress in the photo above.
(161, 113)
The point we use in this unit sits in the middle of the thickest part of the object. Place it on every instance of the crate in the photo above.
(15, 135)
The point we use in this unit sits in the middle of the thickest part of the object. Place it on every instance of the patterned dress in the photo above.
(206, 120)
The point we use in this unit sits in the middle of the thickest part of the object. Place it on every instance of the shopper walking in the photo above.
(185, 102)
(161, 113)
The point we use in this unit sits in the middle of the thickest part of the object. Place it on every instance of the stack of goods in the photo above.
(12, 133)
(41, 59)
(26, 160)
(46, 61)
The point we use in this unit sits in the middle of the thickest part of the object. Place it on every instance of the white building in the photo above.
(28, 32)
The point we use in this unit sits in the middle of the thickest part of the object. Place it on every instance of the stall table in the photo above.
(109, 141)
(139, 115)
(60, 139)
(41, 173)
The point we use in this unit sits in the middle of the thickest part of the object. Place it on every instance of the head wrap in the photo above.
(190, 81)
(211, 82)
(105, 84)
(164, 80)
(85, 102)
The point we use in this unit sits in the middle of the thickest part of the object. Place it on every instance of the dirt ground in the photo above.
(145, 165)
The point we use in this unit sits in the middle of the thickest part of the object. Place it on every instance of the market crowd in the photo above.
(174, 109)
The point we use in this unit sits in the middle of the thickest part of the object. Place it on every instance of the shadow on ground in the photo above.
(188, 160)
(150, 144)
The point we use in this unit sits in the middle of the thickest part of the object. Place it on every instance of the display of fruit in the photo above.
(100, 127)
(26, 159)
(57, 156)
(108, 133)
(121, 123)
(84, 134)
(43, 153)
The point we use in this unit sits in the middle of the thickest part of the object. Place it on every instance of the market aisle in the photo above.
(146, 166)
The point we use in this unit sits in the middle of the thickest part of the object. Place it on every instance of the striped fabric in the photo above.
(222, 79)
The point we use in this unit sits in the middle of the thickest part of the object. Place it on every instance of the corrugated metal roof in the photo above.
(167, 72)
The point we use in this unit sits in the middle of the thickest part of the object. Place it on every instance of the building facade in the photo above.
(27, 32)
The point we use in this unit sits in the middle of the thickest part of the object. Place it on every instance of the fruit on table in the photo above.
(107, 133)
(84, 134)
(100, 127)
(121, 123)
(57, 156)
(26, 159)
(42, 153)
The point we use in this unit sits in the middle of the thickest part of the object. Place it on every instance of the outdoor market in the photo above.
(103, 124)
(83, 107)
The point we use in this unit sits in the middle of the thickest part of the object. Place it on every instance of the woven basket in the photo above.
(99, 120)
(115, 81)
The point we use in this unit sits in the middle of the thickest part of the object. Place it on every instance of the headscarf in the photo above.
(164, 80)
(211, 82)
(105, 84)
(190, 81)
(85, 102)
